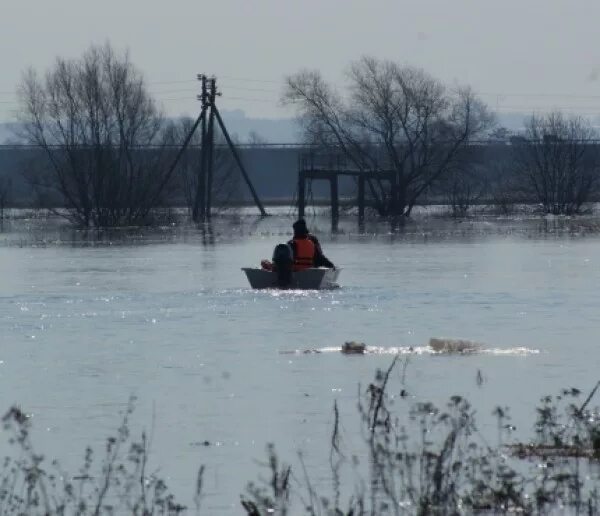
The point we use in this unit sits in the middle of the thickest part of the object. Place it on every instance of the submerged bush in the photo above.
(119, 483)
(422, 459)
(437, 462)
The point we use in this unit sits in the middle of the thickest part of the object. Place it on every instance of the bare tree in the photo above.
(394, 119)
(559, 161)
(102, 137)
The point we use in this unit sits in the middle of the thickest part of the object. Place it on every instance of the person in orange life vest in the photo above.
(307, 249)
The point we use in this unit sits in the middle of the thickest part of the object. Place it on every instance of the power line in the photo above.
(539, 95)
(182, 90)
(249, 79)
(172, 82)
(190, 97)
(177, 91)
(547, 107)
(249, 89)
(151, 83)
(237, 88)
(280, 82)
(249, 99)
(271, 81)
(499, 107)
(171, 99)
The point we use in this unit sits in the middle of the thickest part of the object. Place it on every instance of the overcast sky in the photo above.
(519, 54)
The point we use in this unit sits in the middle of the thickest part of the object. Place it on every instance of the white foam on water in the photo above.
(428, 350)
(511, 351)
(337, 349)
(421, 350)
(400, 350)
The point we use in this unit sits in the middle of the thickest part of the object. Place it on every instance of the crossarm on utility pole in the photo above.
(239, 162)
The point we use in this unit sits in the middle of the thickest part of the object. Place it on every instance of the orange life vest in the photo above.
(304, 257)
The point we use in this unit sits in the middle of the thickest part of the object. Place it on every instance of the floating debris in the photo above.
(200, 443)
(442, 345)
(479, 379)
(354, 348)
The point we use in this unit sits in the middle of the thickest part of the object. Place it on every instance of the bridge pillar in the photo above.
(361, 203)
(335, 206)
(301, 194)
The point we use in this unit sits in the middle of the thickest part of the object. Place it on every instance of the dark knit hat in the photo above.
(300, 228)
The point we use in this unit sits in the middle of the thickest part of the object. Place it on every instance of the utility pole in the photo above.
(202, 206)
(198, 210)
(211, 105)
(211, 145)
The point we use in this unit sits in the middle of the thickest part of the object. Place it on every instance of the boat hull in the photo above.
(309, 279)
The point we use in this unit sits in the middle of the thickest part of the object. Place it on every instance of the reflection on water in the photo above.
(27, 228)
(89, 318)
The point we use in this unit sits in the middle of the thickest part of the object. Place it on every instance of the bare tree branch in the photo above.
(91, 116)
(397, 120)
(558, 161)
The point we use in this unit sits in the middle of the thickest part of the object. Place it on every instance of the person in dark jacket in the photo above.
(307, 249)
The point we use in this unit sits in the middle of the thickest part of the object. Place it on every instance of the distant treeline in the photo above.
(492, 177)
(100, 147)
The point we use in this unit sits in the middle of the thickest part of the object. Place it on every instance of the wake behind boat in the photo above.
(308, 279)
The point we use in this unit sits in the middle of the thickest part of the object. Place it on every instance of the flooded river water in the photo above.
(168, 316)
